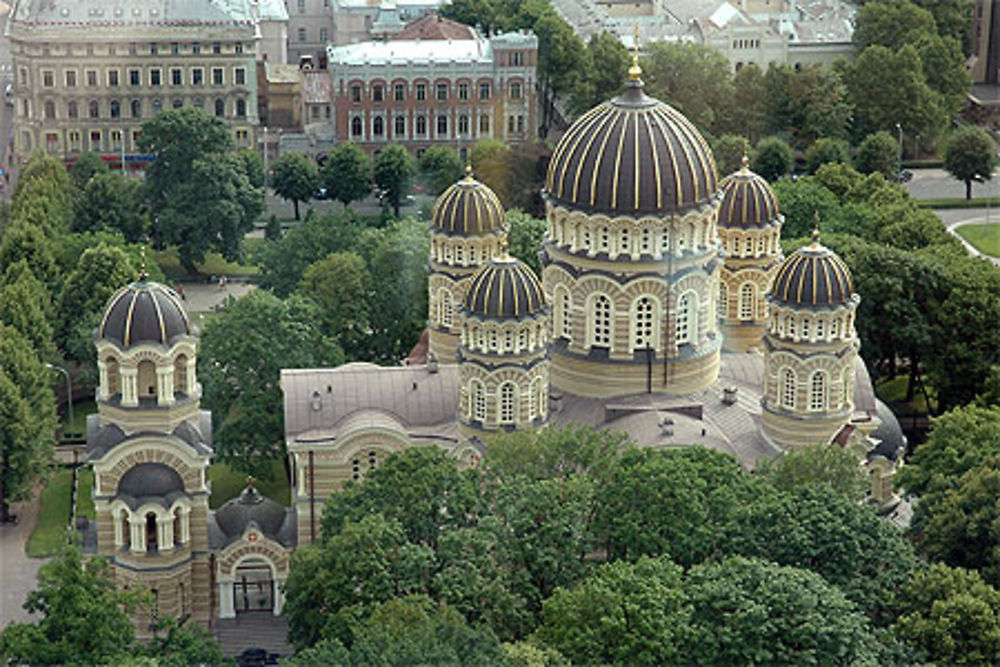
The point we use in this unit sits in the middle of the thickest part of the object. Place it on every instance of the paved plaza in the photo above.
(18, 573)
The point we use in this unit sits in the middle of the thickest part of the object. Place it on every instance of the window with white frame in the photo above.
(723, 302)
(532, 402)
(788, 388)
(820, 329)
(644, 323)
(600, 321)
(447, 308)
(817, 391)
(564, 303)
(478, 401)
(687, 318)
(507, 393)
(748, 300)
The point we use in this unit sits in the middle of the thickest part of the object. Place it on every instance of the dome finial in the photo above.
(142, 273)
(504, 255)
(634, 72)
(745, 160)
(815, 234)
(468, 170)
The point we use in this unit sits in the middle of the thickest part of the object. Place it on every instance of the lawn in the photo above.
(228, 483)
(84, 489)
(893, 391)
(80, 411)
(985, 237)
(53, 516)
(214, 265)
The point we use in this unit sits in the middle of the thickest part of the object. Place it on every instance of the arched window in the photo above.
(400, 127)
(563, 303)
(72, 110)
(788, 389)
(748, 298)
(116, 109)
(220, 106)
(114, 377)
(848, 382)
(378, 126)
(507, 392)
(817, 391)
(50, 109)
(180, 374)
(241, 108)
(147, 379)
(126, 529)
(177, 528)
(94, 109)
(478, 401)
(835, 327)
(421, 125)
(723, 303)
(136, 108)
(356, 127)
(541, 397)
(643, 319)
(600, 321)
(532, 402)
(805, 328)
(447, 309)
(820, 329)
(151, 537)
(463, 124)
(687, 318)
(484, 124)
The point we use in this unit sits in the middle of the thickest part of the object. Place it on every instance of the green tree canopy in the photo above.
(393, 171)
(347, 173)
(44, 195)
(242, 353)
(439, 168)
(692, 78)
(341, 286)
(85, 167)
(25, 306)
(729, 150)
(295, 179)
(815, 466)
(878, 152)
(747, 115)
(969, 156)
(114, 203)
(892, 23)
(827, 151)
(99, 273)
(806, 104)
(772, 158)
(524, 235)
(602, 74)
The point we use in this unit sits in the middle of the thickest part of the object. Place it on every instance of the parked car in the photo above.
(8, 94)
(321, 194)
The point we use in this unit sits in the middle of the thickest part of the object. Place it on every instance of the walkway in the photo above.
(253, 630)
(18, 573)
(955, 218)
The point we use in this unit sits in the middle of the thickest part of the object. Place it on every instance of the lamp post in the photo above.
(899, 134)
(69, 394)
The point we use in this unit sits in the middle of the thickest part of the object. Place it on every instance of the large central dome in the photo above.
(633, 154)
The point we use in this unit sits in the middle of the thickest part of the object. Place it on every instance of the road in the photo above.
(938, 184)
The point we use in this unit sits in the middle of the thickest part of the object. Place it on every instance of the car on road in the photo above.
(8, 94)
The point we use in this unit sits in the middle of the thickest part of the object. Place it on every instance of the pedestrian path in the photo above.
(18, 573)
(253, 630)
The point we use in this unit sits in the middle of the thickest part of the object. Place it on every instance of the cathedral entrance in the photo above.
(253, 589)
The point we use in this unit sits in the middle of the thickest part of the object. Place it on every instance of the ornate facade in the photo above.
(467, 231)
(631, 257)
(810, 349)
(749, 227)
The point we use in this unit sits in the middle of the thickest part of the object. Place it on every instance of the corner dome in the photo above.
(467, 208)
(813, 277)
(632, 155)
(150, 480)
(504, 289)
(236, 514)
(144, 312)
(747, 201)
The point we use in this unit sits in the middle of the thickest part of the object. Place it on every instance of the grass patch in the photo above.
(984, 237)
(214, 265)
(80, 411)
(84, 489)
(228, 483)
(53, 516)
(893, 391)
(959, 202)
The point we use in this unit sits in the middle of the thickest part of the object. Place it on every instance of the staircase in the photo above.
(253, 630)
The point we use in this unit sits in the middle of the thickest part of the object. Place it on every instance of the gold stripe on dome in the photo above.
(829, 282)
(576, 131)
(467, 200)
(568, 148)
(678, 192)
(586, 150)
(815, 287)
(685, 130)
(656, 160)
(637, 162)
(615, 178)
(842, 277)
(174, 299)
(600, 156)
(128, 318)
(113, 301)
(159, 317)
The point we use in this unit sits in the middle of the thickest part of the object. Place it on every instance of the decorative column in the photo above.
(185, 525)
(102, 369)
(138, 536)
(116, 519)
(190, 376)
(161, 534)
(130, 382)
(279, 596)
(226, 609)
(165, 386)
(168, 535)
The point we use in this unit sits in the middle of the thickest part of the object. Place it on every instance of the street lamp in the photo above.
(69, 393)
(899, 132)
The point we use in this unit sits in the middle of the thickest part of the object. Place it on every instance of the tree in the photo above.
(878, 152)
(747, 116)
(801, 201)
(341, 285)
(729, 150)
(692, 78)
(753, 612)
(392, 172)
(806, 104)
(85, 167)
(772, 158)
(25, 306)
(945, 70)
(951, 615)
(820, 529)
(242, 353)
(84, 616)
(347, 173)
(819, 465)
(969, 156)
(827, 151)
(669, 502)
(560, 57)
(525, 238)
(603, 73)
(622, 614)
(99, 273)
(23, 241)
(179, 646)
(294, 178)
(272, 232)
(44, 195)
(252, 166)
(338, 580)
(114, 203)
(440, 167)
(892, 24)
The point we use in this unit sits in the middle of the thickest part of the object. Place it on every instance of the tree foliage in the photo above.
(818, 466)
(113, 203)
(341, 287)
(969, 156)
(393, 172)
(772, 158)
(878, 152)
(347, 173)
(294, 178)
(439, 168)
(99, 273)
(729, 150)
(524, 235)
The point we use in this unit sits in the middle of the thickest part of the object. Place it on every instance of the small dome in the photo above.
(814, 276)
(504, 288)
(747, 200)
(892, 442)
(150, 479)
(632, 155)
(467, 208)
(144, 312)
(236, 514)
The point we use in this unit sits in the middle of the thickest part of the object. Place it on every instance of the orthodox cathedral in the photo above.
(665, 309)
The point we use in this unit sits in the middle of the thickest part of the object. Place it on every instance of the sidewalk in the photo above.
(18, 573)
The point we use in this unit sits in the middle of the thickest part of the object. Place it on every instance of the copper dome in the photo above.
(747, 200)
(504, 288)
(144, 312)
(632, 155)
(468, 208)
(813, 277)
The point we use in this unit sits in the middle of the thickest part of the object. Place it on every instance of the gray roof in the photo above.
(892, 442)
(166, 13)
(101, 440)
(250, 508)
(320, 403)
(150, 482)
